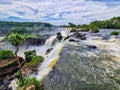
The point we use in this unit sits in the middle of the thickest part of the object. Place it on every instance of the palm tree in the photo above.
(16, 39)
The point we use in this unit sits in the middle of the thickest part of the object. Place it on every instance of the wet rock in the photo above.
(49, 50)
(91, 46)
(4, 84)
(40, 40)
(79, 35)
(71, 40)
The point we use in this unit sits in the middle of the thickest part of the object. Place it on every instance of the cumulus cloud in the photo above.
(59, 11)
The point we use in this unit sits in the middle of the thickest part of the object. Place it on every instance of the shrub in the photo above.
(49, 50)
(30, 81)
(35, 60)
(29, 54)
(59, 36)
(4, 54)
(114, 33)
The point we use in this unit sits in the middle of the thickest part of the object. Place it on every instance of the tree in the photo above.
(71, 25)
(16, 39)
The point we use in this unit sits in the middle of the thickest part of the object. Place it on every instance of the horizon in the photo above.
(58, 12)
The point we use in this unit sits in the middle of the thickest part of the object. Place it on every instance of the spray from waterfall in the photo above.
(50, 59)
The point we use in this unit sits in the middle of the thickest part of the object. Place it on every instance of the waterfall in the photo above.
(82, 68)
(50, 59)
(50, 40)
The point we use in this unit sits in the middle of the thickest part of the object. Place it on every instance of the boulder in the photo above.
(79, 35)
(71, 40)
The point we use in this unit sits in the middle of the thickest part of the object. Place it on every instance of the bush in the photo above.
(59, 36)
(29, 54)
(30, 81)
(114, 33)
(49, 50)
(35, 60)
(4, 54)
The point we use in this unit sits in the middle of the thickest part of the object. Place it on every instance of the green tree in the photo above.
(71, 25)
(16, 39)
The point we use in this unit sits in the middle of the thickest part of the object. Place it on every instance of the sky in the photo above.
(58, 12)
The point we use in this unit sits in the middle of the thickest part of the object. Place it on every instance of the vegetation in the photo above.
(23, 27)
(16, 39)
(35, 60)
(30, 81)
(49, 50)
(29, 54)
(4, 54)
(9, 63)
(114, 33)
(59, 36)
(113, 23)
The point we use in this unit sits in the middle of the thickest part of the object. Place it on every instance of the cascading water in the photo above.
(50, 59)
(83, 68)
(80, 67)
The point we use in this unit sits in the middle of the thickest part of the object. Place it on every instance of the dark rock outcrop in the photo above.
(7, 72)
(40, 40)
(11, 68)
(91, 46)
(79, 35)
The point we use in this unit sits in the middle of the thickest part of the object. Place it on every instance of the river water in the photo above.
(84, 68)
(75, 66)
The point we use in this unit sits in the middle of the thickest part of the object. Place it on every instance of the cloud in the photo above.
(59, 11)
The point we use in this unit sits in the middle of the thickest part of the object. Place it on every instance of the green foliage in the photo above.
(114, 33)
(15, 39)
(4, 54)
(35, 60)
(29, 54)
(23, 27)
(59, 36)
(72, 25)
(113, 23)
(48, 50)
(9, 63)
(84, 27)
(30, 81)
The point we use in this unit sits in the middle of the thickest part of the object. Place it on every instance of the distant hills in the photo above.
(24, 27)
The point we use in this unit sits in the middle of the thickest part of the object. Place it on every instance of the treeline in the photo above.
(23, 27)
(113, 23)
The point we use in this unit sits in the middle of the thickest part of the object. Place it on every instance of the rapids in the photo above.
(75, 66)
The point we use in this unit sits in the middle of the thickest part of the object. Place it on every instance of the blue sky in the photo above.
(58, 12)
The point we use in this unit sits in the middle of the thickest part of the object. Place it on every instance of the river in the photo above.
(75, 66)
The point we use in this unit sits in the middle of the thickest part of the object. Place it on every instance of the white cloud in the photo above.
(58, 11)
